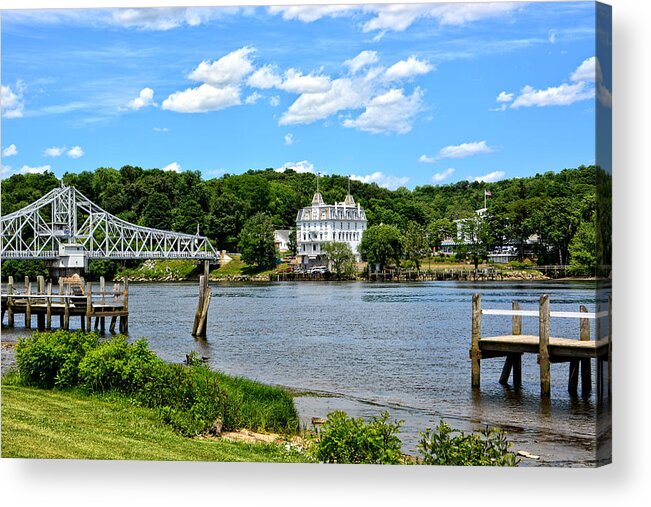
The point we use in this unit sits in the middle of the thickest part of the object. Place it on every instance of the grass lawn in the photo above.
(38, 423)
(237, 267)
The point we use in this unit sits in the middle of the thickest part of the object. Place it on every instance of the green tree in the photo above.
(256, 241)
(415, 243)
(556, 223)
(102, 267)
(19, 268)
(187, 215)
(226, 220)
(292, 245)
(341, 258)
(439, 230)
(476, 239)
(583, 250)
(157, 212)
(381, 243)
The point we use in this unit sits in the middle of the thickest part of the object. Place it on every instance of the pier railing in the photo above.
(74, 299)
(548, 349)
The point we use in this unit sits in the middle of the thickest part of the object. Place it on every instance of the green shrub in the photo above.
(48, 360)
(190, 398)
(350, 440)
(488, 448)
(116, 365)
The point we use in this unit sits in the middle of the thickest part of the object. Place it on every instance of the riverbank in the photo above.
(238, 271)
(40, 424)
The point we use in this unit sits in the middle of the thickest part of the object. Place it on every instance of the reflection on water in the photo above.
(402, 347)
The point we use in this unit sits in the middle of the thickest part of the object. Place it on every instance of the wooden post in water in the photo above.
(61, 300)
(475, 353)
(48, 318)
(543, 353)
(87, 318)
(28, 304)
(201, 329)
(200, 305)
(513, 361)
(40, 290)
(124, 319)
(10, 302)
(586, 364)
(66, 308)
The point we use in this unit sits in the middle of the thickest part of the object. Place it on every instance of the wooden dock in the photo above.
(578, 353)
(72, 300)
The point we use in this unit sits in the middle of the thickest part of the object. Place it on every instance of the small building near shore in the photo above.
(322, 223)
(281, 240)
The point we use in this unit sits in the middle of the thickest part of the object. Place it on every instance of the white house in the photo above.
(281, 240)
(321, 223)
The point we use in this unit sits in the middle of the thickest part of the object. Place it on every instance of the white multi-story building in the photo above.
(321, 223)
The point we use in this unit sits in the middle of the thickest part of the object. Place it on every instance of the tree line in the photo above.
(562, 208)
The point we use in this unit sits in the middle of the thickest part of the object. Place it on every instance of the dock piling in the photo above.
(10, 301)
(513, 361)
(475, 353)
(543, 354)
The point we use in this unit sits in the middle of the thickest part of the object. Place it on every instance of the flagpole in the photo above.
(484, 199)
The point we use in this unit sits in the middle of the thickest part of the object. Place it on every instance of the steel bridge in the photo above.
(66, 228)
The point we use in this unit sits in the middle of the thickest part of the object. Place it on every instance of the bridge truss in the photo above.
(64, 220)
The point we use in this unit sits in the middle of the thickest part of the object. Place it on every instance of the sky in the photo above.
(399, 95)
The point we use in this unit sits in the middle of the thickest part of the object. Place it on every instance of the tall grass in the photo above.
(192, 398)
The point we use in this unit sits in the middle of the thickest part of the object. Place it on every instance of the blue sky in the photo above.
(393, 94)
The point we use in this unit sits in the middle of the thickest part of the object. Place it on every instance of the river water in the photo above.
(369, 347)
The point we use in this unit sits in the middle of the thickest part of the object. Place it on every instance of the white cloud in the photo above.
(465, 150)
(590, 71)
(35, 170)
(391, 112)
(382, 180)
(10, 151)
(173, 167)
(408, 68)
(144, 99)
(75, 152)
(310, 13)
(562, 95)
(12, 102)
(362, 60)
(424, 159)
(504, 97)
(300, 167)
(604, 96)
(490, 177)
(161, 129)
(54, 151)
(587, 71)
(204, 98)
(253, 98)
(438, 177)
(587, 81)
(399, 17)
(228, 70)
(162, 19)
(264, 78)
(289, 139)
(296, 82)
(274, 101)
(310, 107)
